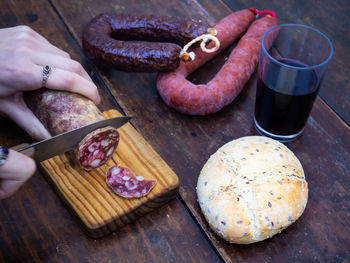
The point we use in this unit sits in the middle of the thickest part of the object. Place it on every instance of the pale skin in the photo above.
(23, 53)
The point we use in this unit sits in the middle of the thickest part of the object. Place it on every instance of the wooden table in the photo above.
(36, 227)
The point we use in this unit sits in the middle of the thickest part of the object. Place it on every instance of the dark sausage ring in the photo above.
(105, 40)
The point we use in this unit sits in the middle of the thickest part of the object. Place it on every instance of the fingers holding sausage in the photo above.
(60, 62)
(60, 79)
(23, 54)
(66, 74)
(16, 109)
(20, 32)
(23, 36)
(51, 49)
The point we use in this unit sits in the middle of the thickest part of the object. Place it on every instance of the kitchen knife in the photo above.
(66, 141)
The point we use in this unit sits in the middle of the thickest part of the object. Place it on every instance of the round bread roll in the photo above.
(251, 189)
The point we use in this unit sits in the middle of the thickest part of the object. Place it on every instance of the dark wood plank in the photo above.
(331, 18)
(34, 224)
(186, 142)
(35, 227)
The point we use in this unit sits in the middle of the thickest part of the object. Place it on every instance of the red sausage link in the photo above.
(184, 96)
(105, 40)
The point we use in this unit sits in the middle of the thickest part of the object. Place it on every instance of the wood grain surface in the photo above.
(173, 233)
(35, 226)
(323, 149)
(99, 210)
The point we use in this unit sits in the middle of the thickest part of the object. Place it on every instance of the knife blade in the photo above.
(66, 141)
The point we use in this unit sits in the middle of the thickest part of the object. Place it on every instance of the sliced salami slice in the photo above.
(125, 183)
(96, 148)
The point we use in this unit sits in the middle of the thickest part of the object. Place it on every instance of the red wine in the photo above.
(283, 107)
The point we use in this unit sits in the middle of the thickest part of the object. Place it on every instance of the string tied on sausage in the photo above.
(262, 12)
(205, 38)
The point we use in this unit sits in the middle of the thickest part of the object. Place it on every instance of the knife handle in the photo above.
(29, 152)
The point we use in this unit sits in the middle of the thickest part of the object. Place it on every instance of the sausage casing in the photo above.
(61, 111)
(138, 43)
(188, 98)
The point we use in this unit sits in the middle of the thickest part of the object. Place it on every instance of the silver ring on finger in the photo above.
(4, 152)
(46, 73)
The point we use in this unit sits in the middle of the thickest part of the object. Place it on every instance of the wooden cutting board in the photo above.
(86, 194)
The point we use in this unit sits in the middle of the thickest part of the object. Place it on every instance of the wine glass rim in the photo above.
(294, 67)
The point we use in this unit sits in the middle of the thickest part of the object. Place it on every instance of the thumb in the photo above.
(15, 172)
(16, 109)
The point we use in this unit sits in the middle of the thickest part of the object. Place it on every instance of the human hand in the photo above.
(23, 53)
(16, 170)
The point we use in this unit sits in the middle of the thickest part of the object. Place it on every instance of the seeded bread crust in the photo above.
(251, 189)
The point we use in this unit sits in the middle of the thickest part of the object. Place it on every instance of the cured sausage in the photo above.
(61, 111)
(105, 40)
(186, 97)
(125, 183)
(96, 148)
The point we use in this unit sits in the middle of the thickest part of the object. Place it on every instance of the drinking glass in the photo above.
(293, 62)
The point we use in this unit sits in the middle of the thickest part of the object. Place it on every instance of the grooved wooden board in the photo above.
(98, 209)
